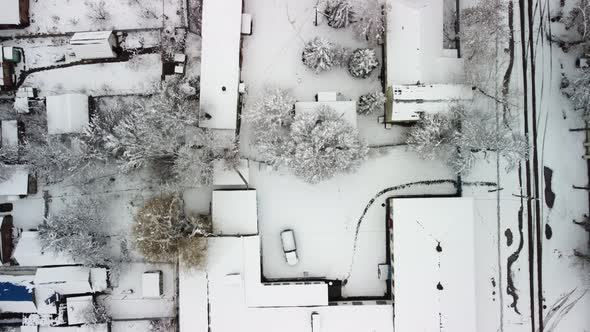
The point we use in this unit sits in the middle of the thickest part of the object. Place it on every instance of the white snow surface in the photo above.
(230, 177)
(17, 183)
(9, 133)
(220, 62)
(10, 13)
(234, 212)
(67, 113)
(28, 252)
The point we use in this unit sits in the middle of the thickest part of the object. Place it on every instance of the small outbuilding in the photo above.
(15, 183)
(151, 284)
(14, 14)
(94, 45)
(67, 113)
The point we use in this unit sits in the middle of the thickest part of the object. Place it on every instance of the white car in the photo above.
(289, 247)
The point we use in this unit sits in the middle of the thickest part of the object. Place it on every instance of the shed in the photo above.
(67, 113)
(14, 14)
(16, 294)
(234, 212)
(6, 242)
(427, 280)
(69, 280)
(16, 183)
(9, 133)
(151, 284)
(346, 108)
(220, 63)
(28, 252)
(94, 45)
(77, 306)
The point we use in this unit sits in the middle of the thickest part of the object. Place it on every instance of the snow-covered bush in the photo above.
(321, 54)
(339, 13)
(162, 232)
(322, 144)
(579, 19)
(371, 103)
(362, 62)
(96, 314)
(578, 91)
(97, 11)
(461, 136)
(369, 20)
(80, 232)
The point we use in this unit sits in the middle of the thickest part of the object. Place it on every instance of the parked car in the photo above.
(289, 247)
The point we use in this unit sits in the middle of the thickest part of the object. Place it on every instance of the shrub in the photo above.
(362, 62)
(371, 103)
(321, 54)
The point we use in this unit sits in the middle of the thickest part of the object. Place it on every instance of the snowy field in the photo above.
(324, 218)
(66, 16)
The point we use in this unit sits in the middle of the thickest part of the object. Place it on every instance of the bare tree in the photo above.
(97, 11)
(162, 232)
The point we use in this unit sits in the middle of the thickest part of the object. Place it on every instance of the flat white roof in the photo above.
(192, 300)
(28, 252)
(93, 45)
(432, 92)
(234, 212)
(9, 132)
(91, 35)
(67, 113)
(65, 280)
(150, 284)
(220, 62)
(10, 12)
(433, 247)
(17, 183)
(346, 108)
(230, 177)
(77, 306)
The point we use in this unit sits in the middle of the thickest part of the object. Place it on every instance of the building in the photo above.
(6, 239)
(94, 45)
(434, 266)
(16, 294)
(71, 280)
(14, 14)
(220, 63)
(67, 113)
(417, 63)
(76, 307)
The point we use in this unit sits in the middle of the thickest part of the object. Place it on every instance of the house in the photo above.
(434, 267)
(6, 241)
(220, 63)
(16, 294)
(67, 113)
(94, 45)
(234, 212)
(417, 63)
(15, 184)
(14, 14)
(29, 252)
(72, 280)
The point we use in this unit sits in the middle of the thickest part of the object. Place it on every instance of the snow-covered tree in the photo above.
(95, 314)
(578, 91)
(339, 13)
(162, 325)
(322, 144)
(321, 54)
(462, 136)
(80, 232)
(362, 62)
(270, 116)
(371, 103)
(369, 20)
(162, 232)
(579, 19)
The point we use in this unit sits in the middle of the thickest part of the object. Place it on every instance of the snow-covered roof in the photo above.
(45, 300)
(83, 328)
(432, 92)
(192, 300)
(150, 284)
(276, 294)
(434, 264)
(414, 44)
(9, 133)
(346, 108)
(16, 294)
(67, 113)
(28, 252)
(234, 212)
(17, 183)
(10, 12)
(93, 45)
(77, 306)
(220, 62)
(230, 177)
(65, 280)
